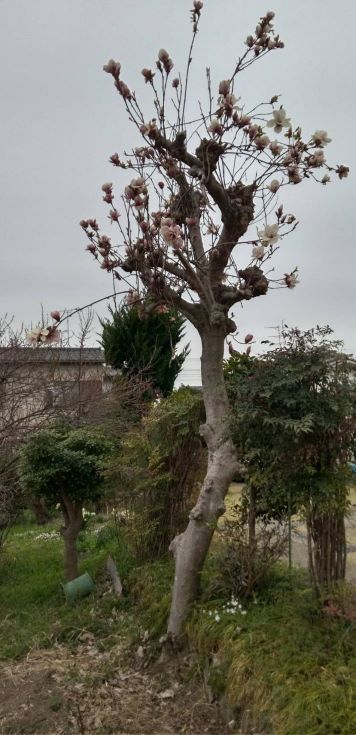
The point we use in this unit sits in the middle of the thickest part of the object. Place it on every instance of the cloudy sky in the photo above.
(61, 120)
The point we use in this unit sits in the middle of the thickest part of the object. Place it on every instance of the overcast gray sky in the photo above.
(61, 120)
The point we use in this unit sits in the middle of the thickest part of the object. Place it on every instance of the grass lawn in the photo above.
(285, 666)
(33, 610)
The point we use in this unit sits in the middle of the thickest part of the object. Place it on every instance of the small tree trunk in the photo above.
(191, 547)
(252, 520)
(252, 546)
(70, 555)
(73, 519)
(41, 512)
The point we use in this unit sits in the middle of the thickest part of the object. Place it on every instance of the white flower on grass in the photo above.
(47, 536)
(258, 252)
(279, 120)
(243, 612)
(321, 138)
(269, 236)
(217, 618)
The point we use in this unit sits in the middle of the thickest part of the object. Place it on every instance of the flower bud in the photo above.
(248, 338)
(114, 159)
(148, 75)
(56, 315)
(123, 89)
(93, 224)
(163, 55)
(274, 186)
(224, 87)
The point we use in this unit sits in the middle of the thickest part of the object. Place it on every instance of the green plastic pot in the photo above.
(79, 587)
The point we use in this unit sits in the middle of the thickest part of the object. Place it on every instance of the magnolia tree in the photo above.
(197, 229)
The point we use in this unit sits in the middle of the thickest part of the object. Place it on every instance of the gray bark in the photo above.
(191, 547)
(116, 581)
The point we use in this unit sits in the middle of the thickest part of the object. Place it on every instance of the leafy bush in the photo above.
(159, 467)
(295, 426)
(66, 467)
(244, 564)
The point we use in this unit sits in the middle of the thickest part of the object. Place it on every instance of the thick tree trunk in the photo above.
(191, 547)
(73, 519)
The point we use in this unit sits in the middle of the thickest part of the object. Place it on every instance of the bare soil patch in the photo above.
(62, 692)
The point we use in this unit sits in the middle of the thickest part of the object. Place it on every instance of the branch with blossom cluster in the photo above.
(201, 185)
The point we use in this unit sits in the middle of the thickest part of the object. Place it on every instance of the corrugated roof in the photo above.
(49, 354)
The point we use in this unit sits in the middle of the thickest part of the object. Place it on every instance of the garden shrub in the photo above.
(158, 471)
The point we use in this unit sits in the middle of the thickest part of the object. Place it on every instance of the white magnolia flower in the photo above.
(320, 138)
(258, 252)
(279, 121)
(39, 334)
(269, 236)
(325, 179)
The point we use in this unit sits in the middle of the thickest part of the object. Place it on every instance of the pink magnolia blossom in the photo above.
(291, 279)
(171, 232)
(215, 126)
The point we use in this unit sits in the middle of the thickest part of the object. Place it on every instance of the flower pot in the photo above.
(79, 587)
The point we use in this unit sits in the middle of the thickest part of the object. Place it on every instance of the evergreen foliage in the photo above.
(140, 342)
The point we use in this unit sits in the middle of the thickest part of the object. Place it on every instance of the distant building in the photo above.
(40, 382)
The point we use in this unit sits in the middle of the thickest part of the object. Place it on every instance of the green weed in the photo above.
(285, 666)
